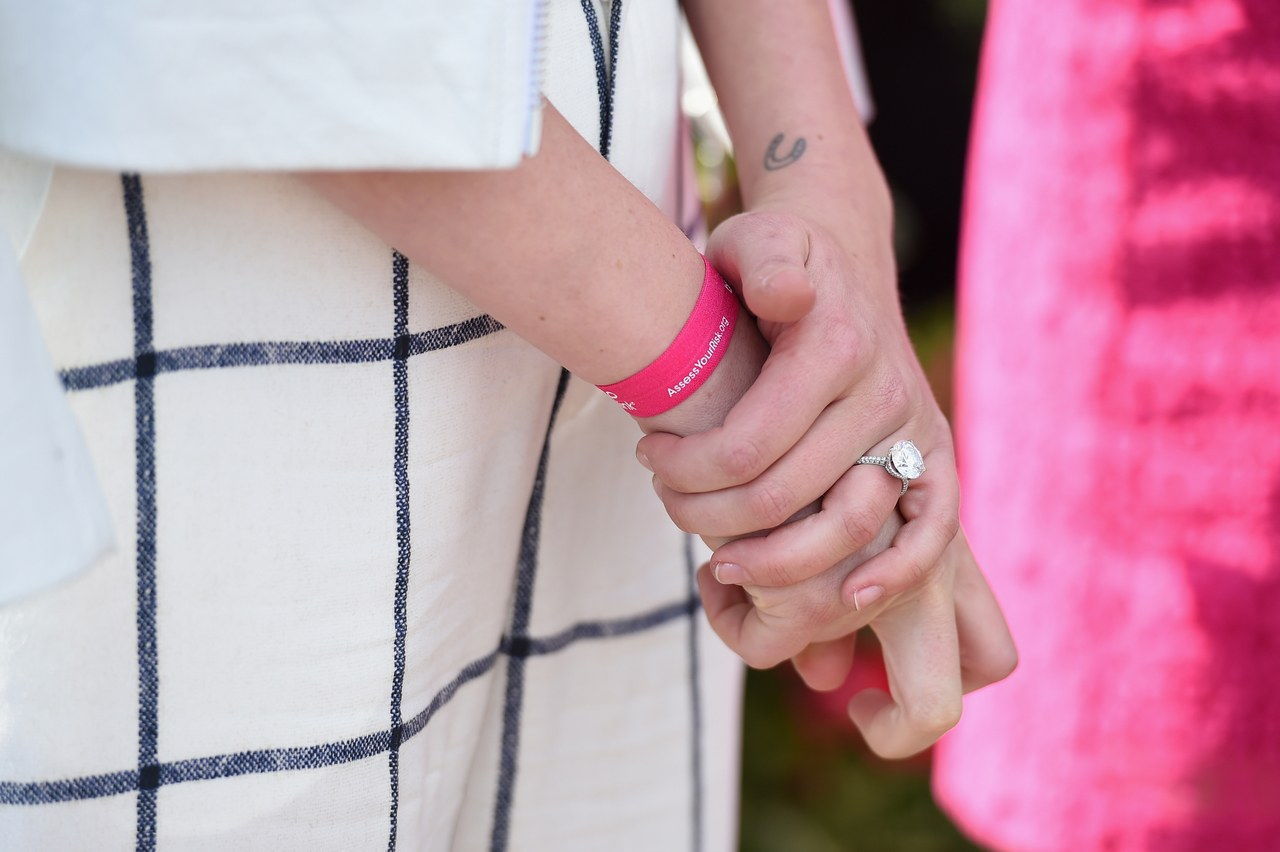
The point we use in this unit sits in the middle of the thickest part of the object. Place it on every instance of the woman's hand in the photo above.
(942, 639)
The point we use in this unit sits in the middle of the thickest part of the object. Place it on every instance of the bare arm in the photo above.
(564, 251)
(796, 131)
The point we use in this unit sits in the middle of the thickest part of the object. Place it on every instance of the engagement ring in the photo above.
(904, 461)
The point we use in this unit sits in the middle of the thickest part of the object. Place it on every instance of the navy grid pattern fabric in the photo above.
(522, 611)
(145, 448)
(332, 753)
(268, 353)
(400, 378)
(150, 774)
(605, 87)
(527, 569)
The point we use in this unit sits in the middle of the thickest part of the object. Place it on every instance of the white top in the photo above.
(194, 85)
(53, 519)
(203, 85)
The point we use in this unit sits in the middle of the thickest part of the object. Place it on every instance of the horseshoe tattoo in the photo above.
(773, 162)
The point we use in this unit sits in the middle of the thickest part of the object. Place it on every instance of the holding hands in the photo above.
(809, 545)
(762, 457)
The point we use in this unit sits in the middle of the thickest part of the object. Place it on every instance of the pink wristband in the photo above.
(689, 360)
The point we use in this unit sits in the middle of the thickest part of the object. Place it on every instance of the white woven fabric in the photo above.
(362, 592)
(53, 520)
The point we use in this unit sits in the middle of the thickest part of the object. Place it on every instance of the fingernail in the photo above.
(644, 460)
(728, 574)
(867, 596)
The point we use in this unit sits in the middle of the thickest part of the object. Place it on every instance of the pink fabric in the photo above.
(1119, 426)
(689, 360)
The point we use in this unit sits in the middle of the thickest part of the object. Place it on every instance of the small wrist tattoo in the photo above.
(773, 162)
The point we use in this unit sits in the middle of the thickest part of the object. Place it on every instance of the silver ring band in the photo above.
(904, 462)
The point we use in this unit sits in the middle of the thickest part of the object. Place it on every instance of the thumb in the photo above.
(764, 255)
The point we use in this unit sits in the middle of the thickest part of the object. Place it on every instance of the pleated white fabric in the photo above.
(385, 575)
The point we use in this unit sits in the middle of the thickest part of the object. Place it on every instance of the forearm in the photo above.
(565, 252)
(777, 71)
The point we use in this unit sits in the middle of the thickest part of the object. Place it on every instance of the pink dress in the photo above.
(1119, 426)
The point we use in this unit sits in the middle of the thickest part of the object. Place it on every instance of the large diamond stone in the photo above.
(906, 460)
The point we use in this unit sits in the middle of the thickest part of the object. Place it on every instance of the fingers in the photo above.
(930, 507)
(853, 515)
(987, 652)
(739, 625)
(824, 666)
(920, 646)
(766, 254)
(949, 640)
(792, 390)
(831, 354)
(805, 473)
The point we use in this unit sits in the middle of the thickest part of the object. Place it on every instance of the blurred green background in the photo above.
(808, 783)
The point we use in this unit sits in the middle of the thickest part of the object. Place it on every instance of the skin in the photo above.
(813, 257)
(764, 439)
(603, 307)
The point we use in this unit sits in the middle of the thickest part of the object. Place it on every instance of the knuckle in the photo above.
(891, 397)
(847, 345)
(741, 460)
(675, 477)
(816, 611)
(773, 573)
(858, 527)
(774, 609)
(1002, 664)
(935, 717)
(771, 504)
(793, 617)
(678, 512)
(916, 572)
(881, 750)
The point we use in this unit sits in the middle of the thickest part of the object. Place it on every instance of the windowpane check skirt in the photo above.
(384, 574)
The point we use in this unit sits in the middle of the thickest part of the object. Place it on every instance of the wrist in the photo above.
(707, 406)
(834, 199)
(827, 166)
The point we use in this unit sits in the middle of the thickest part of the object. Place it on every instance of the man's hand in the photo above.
(840, 382)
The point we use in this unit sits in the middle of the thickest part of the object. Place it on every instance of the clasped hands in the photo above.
(808, 545)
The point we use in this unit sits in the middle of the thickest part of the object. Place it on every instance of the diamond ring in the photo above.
(904, 461)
